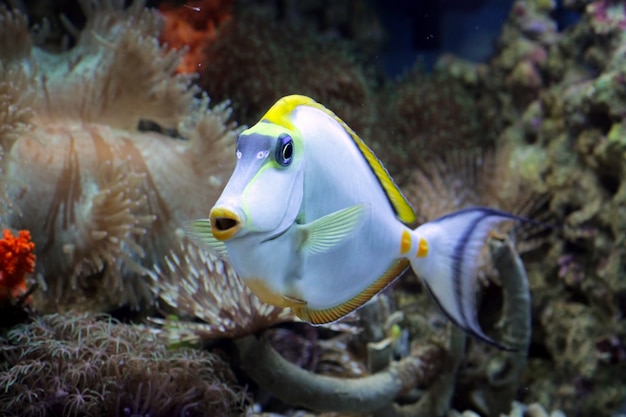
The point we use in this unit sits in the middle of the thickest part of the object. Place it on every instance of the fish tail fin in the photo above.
(447, 262)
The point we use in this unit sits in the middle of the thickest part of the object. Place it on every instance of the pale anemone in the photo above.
(204, 287)
(101, 197)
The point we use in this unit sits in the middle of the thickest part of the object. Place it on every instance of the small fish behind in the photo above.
(311, 220)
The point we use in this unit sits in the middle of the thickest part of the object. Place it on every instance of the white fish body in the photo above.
(323, 230)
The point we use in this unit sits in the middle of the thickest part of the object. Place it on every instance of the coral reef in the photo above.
(103, 180)
(564, 120)
(558, 146)
(85, 365)
(102, 198)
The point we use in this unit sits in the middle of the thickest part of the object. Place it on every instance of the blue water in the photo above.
(423, 30)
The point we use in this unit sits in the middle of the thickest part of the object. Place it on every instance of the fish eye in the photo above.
(284, 150)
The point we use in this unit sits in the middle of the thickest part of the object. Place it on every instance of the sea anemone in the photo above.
(201, 286)
(101, 197)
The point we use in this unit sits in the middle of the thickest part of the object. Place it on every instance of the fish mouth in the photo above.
(225, 223)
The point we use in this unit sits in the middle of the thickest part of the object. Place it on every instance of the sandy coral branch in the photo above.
(515, 323)
(491, 380)
(436, 401)
(297, 386)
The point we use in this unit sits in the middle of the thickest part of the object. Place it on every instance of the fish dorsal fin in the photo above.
(328, 231)
(200, 232)
(279, 114)
(280, 111)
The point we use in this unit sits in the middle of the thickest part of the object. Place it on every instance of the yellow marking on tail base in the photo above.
(422, 248)
(405, 242)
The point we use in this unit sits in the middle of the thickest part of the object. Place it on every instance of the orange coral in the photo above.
(193, 25)
(16, 260)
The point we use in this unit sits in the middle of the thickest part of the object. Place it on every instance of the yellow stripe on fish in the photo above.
(311, 220)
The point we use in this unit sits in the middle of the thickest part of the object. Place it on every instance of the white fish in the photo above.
(311, 220)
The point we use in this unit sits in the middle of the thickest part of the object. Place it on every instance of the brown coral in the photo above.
(257, 59)
(423, 115)
(78, 365)
(102, 198)
(480, 177)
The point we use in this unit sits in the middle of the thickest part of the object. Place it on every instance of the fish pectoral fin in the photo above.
(200, 232)
(326, 232)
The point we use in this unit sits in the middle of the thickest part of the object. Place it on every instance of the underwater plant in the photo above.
(101, 196)
(422, 115)
(89, 365)
(463, 177)
(252, 61)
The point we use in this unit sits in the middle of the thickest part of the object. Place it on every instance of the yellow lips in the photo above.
(224, 223)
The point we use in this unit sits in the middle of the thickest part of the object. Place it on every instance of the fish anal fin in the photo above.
(294, 301)
(335, 313)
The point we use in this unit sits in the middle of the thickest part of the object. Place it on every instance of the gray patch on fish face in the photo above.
(260, 190)
(252, 152)
(254, 147)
